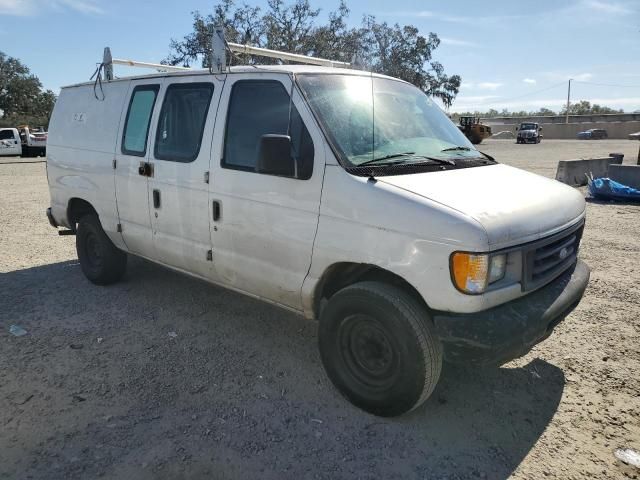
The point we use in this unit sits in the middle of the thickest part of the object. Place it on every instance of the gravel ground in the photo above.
(164, 376)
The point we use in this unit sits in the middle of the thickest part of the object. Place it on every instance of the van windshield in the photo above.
(372, 120)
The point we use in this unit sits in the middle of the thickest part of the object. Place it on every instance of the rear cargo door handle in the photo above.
(156, 198)
(216, 210)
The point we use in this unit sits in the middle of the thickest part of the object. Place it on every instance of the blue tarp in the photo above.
(607, 189)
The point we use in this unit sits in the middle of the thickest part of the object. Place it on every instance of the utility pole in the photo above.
(568, 100)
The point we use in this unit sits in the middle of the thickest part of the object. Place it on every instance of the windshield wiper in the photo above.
(386, 157)
(408, 155)
(467, 149)
(456, 148)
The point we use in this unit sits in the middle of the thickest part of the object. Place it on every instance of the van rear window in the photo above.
(136, 127)
(182, 119)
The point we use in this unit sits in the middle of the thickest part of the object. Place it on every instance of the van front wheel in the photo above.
(379, 349)
(101, 261)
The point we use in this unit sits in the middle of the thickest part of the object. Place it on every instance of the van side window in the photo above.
(136, 125)
(182, 119)
(260, 107)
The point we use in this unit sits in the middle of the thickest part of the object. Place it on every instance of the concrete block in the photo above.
(628, 175)
(574, 172)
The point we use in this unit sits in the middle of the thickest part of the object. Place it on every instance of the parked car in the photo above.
(10, 142)
(409, 247)
(529, 133)
(593, 134)
(634, 136)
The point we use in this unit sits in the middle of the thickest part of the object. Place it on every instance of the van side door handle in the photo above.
(145, 169)
(216, 210)
(156, 198)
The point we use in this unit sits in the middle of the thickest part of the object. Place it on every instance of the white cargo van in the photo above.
(10, 142)
(346, 196)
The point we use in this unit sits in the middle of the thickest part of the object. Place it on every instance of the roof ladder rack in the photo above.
(108, 61)
(218, 58)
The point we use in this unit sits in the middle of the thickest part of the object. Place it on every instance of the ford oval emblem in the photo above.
(563, 253)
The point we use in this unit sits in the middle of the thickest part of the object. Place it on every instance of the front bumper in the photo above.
(509, 331)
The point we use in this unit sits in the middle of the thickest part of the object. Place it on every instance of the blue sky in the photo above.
(510, 54)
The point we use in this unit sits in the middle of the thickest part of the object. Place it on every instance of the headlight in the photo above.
(472, 273)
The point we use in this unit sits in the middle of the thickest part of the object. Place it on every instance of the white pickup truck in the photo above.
(346, 196)
(10, 144)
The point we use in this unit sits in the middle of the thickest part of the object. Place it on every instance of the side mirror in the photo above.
(274, 156)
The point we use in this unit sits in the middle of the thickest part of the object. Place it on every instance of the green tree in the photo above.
(544, 112)
(22, 99)
(399, 51)
(583, 107)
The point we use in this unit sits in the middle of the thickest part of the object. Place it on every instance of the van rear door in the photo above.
(133, 168)
(178, 190)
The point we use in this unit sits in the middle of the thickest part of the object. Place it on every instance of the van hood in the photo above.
(512, 205)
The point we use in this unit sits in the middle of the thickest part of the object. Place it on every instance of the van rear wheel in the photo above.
(101, 261)
(379, 349)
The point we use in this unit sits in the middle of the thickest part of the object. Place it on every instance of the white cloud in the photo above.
(481, 85)
(529, 81)
(474, 20)
(474, 99)
(583, 77)
(34, 7)
(564, 76)
(489, 85)
(83, 6)
(607, 7)
(13, 7)
(456, 42)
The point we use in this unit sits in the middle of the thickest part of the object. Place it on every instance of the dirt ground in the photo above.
(101, 387)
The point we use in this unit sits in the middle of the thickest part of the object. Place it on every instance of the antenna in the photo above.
(218, 61)
(107, 61)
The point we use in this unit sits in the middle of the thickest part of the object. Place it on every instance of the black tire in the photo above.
(379, 349)
(101, 261)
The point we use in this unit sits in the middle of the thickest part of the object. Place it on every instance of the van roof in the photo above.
(248, 68)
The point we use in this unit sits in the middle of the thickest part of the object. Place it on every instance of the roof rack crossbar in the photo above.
(292, 57)
(157, 66)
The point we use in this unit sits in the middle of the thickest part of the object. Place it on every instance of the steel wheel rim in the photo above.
(367, 351)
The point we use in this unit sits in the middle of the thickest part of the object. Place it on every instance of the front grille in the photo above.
(547, 258)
